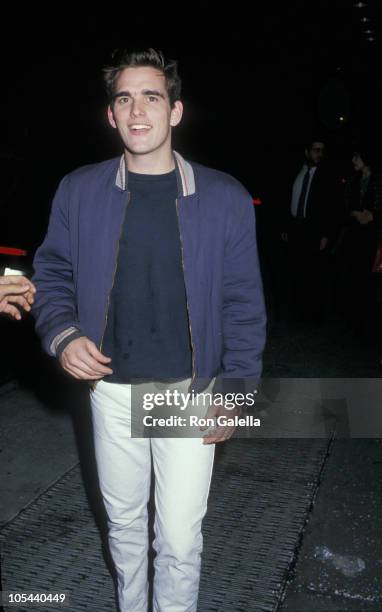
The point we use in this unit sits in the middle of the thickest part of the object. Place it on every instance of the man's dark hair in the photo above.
(122, 58)
(315, 138)
(367, 152)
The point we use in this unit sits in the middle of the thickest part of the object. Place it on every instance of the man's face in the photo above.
(141, 111)
(315, 154)
(357, 162)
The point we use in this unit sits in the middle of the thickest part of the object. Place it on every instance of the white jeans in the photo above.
(183, 470)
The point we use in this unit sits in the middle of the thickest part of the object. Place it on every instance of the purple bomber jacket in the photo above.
(75, 265)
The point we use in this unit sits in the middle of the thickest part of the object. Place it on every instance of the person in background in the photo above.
(16, 292)
(362, 229)
(309, 229)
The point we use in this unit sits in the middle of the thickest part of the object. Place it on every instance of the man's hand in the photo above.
(221, 432)
(363, 216)
(16, 290)
(81, 359)
(323, 243)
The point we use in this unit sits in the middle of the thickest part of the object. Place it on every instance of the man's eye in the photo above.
(123, 100)
(152, 98)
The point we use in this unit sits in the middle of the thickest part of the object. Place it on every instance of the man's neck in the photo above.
(150, 164)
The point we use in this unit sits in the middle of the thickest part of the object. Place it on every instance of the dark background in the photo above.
(258, 80)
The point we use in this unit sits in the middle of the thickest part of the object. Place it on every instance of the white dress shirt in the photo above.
(297, 187)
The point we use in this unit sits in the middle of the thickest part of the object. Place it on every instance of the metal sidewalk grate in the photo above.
(260, 493)
(259, 499)
(54, 545)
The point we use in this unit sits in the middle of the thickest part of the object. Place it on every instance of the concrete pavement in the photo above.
(337, 556)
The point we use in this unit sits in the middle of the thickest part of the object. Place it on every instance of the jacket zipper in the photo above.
(188, 310)
(114, 272)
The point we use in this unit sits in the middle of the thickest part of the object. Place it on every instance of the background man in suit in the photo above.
(308, 229)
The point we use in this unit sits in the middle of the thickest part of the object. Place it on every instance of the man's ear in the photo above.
(176, 113)
(110, 116)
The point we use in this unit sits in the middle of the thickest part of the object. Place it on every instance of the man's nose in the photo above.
(137, 108)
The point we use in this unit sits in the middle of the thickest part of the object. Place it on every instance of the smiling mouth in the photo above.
(139, 128)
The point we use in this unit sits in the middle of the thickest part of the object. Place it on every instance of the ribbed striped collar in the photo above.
(184, 172)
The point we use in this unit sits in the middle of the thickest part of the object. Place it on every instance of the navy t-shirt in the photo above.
(147, 333)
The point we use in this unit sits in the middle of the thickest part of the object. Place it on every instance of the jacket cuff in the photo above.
(61, 341)
(236, 385)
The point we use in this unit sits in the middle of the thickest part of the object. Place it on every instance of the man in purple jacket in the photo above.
(148, 279)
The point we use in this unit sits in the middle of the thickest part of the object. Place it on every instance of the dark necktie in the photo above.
(301, 200)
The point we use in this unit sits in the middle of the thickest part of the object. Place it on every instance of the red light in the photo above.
(12, 251)
(257, 201)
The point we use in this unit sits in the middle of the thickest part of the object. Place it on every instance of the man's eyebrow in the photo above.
(153, 92)
(146, 92)
(119, 94)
